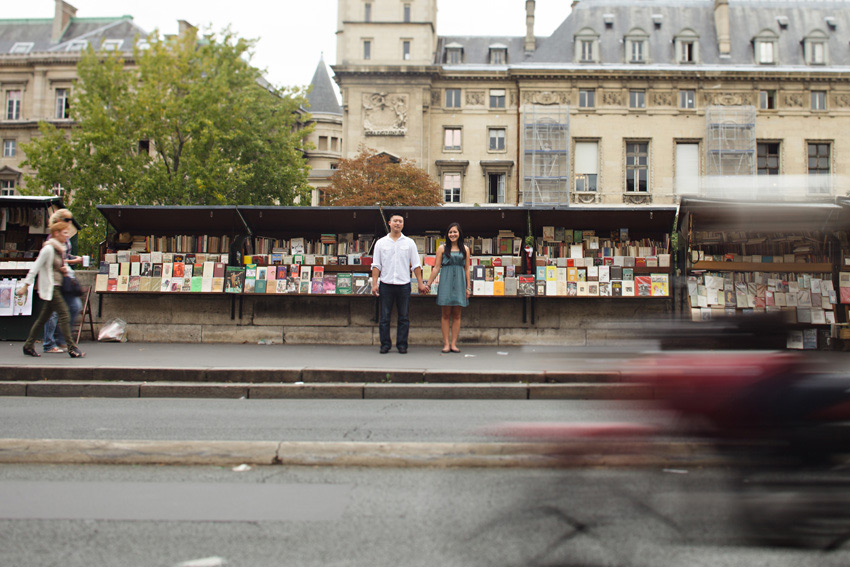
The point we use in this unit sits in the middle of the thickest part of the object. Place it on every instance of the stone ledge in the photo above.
(84, 390)
(313, 375)
(477, 377)
(193, 391)
(13, 389)
(446, 391)
(306, 391)
(581, 377)
(580, 391)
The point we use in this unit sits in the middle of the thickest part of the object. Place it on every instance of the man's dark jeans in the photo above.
(400, 295)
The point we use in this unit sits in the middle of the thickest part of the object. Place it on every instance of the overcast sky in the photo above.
(293, 34)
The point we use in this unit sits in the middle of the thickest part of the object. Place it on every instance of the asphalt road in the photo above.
(291, 420)
(94, 516)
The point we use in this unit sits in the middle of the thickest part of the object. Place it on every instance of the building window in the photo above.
(818, 167)
(637, 99)
(767, 158)
(687, 99)
(587, 98)
(815, 48)
(637, 167)
(497, 139)
(687, 168)
(495, 187)
(767, 100)
(498, 56)
(406, 14)
(21, 47)
(334, 144)
(818, 100)
(323, 143)
(9, 147)
(57, 190)
(497, 98)
(63, 103)
(687, 46)
(451, 187)
(765, 47)
(687, 54)
(112, 44)
(587, 46)
(7, 187)
(367, 49)
(367, 12)
(636, 46)
(454, 55)
(587, 166)
(77, 45)
(452, 137)
(452, 98)
(405, 49)
(13, 105)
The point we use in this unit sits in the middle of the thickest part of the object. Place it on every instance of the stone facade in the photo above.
(629, 72)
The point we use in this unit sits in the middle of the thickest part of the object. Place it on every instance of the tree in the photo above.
(375, 179)
(192, 123)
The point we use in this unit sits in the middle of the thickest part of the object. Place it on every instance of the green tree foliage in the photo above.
(375, 179)
(217, 133)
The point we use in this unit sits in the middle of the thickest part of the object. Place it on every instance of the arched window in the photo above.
(816, 48)
(765, 46)
(687, 46)
(637, 46)
(587, 46)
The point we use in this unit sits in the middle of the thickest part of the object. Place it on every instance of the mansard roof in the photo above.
(322, 96)
(663, 21)
(92, 30)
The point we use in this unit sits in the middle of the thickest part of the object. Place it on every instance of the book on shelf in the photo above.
(259, 285)
(526, 285)
(629, 288)
(234, 279)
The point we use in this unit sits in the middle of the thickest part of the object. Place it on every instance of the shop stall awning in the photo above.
(718, 215)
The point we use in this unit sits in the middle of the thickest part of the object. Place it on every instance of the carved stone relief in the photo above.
(842, 100)
(586, 198)
(612, 98)
(435, 97)
(544, 97)
(475, 98)
(637, 199)
(512, 97)
(794, 100)
(663, 99)
(727, 99)
(385, 114)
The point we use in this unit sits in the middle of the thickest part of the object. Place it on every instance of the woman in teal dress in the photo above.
(452, 265)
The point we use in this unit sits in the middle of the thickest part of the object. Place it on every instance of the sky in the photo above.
(293, 34)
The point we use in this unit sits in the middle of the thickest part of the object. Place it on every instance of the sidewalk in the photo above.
(330, 371)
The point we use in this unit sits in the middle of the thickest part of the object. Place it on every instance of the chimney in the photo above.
(61, 19)
(530, 44)
(721, 24)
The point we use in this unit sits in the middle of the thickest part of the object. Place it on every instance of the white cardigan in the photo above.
(43, 267)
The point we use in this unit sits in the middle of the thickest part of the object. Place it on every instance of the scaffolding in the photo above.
(545, 155)
(731, 140)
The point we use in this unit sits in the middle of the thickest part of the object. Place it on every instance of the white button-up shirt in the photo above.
(395, 259)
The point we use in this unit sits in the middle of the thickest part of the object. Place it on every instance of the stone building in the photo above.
(626, 102)
(326, 138)
(38, 69)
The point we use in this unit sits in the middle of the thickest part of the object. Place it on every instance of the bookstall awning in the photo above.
(272, 221)
(711, 214)
(473, 220)
(30, 201)
(648, 220)
(165, 220)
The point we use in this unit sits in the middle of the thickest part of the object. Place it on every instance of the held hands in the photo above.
(424, 288)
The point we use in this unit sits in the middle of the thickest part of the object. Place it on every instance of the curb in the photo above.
(358, 454)
(328, 390)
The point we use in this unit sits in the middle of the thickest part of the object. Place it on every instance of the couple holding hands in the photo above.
(394, 257)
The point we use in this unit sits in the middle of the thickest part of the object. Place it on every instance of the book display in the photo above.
(762, 258)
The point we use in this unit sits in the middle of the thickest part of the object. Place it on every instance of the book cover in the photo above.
(526, 285)
(605, 289)
(616, 288)
(176, 285)
(134, 283)
(344, 282)
(304, 285)
(628, 288)
(499, 287)
(511, 285)
(317, 284)
(234, 279)
(582, 289)
(101, 280)
(178, 270)
(217, 285)
(280, 286)
(219, 270)
(643, 285)
(249, 284)
(189, 271)
(114, 270)
(572, 289)
(123, 282)
(361, 284)
(478, 287)
(196, 283)
(167, 270)
(540, 287)
(659, 285)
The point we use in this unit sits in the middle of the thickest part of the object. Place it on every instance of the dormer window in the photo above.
(21, 47)
(765, 45)
(112, 44)
(77, 45)
(587, 46)
(454, 54)
(637, 46)
(498, 54)
(815, 48)
(687, 46)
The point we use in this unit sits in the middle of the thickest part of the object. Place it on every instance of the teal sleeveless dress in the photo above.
(452, 288)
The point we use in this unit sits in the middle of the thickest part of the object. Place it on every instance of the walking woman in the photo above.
(453, 292)
(50, 268)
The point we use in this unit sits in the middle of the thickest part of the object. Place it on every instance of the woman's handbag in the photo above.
(71, 287)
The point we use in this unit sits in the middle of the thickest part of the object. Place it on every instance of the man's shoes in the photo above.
(402, 350)
(385, 349)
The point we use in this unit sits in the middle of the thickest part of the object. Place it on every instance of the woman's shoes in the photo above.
(30, 351)
(74, 352)
(446, 350)
(455, 349)
(55, 350)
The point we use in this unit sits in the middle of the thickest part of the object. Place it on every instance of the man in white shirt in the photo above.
(394, 257)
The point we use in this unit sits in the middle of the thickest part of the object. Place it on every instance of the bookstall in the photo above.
(283, 263)
(746, 258)
(23, 230)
